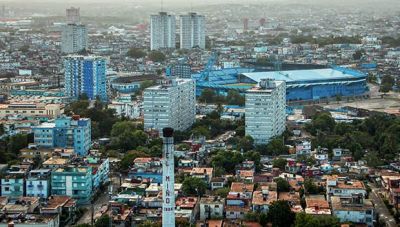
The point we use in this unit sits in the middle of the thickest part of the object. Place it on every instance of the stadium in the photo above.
(301, 85)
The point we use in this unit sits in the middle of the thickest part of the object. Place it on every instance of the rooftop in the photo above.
(307, 75)
(241, 187)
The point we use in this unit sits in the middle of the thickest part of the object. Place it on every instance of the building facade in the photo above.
(73, 15)
(85, 75)
(265, 111)
(162, 31)
(171, 104)
(74, 38)
(38, 183)
(192, 31)
(31, 109)
(13, 185)
(76, 182)
(66, 132)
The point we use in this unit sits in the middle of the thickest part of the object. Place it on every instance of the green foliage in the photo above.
(103, 221)
(311, 187)
(157, 56)
(10, 147)
(279, 163)
(129, 157)
(280, 214)
(234, 98)
(240, 131)
(387, 83)
(307, 220)
(321, 122)
(222, 192)
(149, 223)
(201, 131)
(136, 53)
(194, 186)
(246, 143)
(275, 147)
(207, 95)
(309, 160)
(391, 41)
(358, 54)
(226, 160)
(126, 136)
(282, 185)
(1, 129)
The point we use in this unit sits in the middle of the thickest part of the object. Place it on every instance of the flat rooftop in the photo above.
(307, 75)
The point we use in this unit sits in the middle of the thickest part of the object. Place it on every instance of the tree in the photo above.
(307, 220)
(246, 143)
(126, 136)
(226, 160)
(207, 95)
(240, 131)
(222, 192)
(1, 129)
(282, 185)
(235, 98)
(149, 223)
(280, 214)
(194, 186)
(279, 163)
(201, 131)
(310, 187)
(129, 157)
(136, 53)
(358, 54)
(276, 147)
(103, 221)
(157, 56)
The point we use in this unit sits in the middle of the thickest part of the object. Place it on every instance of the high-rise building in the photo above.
(85, 75)
(170, 104)
(74, 38)
(162, 31)
(73, 15)
(168, 191)
(65, 132)
(246, 24)
(266, 110)
(192, 31)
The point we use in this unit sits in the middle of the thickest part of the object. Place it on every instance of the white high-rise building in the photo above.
(192, 31)
(74, 38)
(73, 15)
(266, 110)
(170, 104)
(162, 31)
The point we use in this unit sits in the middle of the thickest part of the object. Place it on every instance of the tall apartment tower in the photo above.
(266, 110)
(85, 75)
(73, 15)
(170, 104)
(168, 206)
(162, 31)
(192, 31)
(74, 38)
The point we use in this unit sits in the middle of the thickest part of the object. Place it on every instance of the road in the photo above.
(380, 208)
(100, 201)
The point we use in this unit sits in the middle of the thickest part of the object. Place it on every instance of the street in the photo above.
(380, 208)
(100, 201)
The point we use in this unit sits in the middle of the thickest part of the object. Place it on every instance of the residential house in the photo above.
(262, 199)
(203, 173)
(317, 205)
(38, 183)
(354, 209)
(13, 184)
(211, 208)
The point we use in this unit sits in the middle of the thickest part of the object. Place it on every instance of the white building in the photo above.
(73, 15)
(192, 31)
(337, 186)
(162, 31)
(353, 209)
(211, 207)
(130, 110)
(74, 38)
(265, 110)
(170, 104)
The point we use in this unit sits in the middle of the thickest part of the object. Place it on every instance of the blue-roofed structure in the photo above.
(316, 83)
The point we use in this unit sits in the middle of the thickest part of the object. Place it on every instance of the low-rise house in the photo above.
(38, 183)
(55, 162)
(205, 174)
(317, 205)
(31, 220)
(262, 199)
(187, 163)
(64, 206)
(303, 148)
(293, 198)
(336, 186)
(212, 208)
(146, 162)
(240, 194)
(236, 212)
(354, 209)
(209, 223)
(23, 205)
(186, 209)
(246, 176)
(13, 184)
(76, 182)
(217, 182)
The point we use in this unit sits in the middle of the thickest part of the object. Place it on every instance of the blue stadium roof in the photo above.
(312, 75)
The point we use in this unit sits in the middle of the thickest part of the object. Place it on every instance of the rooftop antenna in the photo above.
(191, 6)
(162, 6)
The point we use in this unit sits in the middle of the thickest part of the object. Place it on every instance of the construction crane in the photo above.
(209, 66)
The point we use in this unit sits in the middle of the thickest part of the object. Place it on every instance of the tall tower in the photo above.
(192, 31)
(162, 31)
(73, 15)
(74, 38)
(168, 207)
(246, 24)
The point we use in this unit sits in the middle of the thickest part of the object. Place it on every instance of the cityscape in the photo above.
(135, 113)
